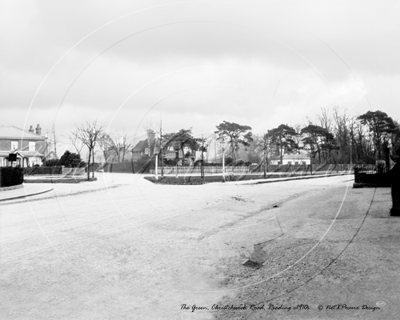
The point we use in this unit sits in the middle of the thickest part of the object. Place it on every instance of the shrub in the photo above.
(11, 176)
(239, 162)
(51, 163)
(170, 162)
(68, 159)
(144, 164)
(43, 170)
(228, 161)
(71, 160)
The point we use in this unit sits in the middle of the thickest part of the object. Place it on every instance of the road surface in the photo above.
(135, 250)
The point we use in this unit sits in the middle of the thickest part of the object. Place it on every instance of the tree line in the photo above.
(336, 137)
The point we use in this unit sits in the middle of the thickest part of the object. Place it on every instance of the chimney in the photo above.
(31, 129)
(38, 130)
(150, 135)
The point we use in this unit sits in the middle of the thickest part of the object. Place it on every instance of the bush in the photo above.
(71, 160)
(11, 176)
(239, 162)
(140, 166)
(51, 163)
(43, 170)
(68, 159)
(170, 162)
(144, 164)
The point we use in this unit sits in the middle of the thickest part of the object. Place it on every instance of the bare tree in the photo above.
(325, 119)
(115, 146)
(89, 134)
(76, 142)
(105, 143)
(343, 134)
(121, 144)
(264, 145)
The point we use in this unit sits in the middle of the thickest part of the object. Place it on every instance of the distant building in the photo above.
(145, 147)
(149, 146)
(294, 159)
(29, 146)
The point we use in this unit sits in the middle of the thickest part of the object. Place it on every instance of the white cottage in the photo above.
(301, 157)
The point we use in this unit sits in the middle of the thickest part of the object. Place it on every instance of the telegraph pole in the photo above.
(202, 157)
(351, 147)
(161, 150)
(265, 174)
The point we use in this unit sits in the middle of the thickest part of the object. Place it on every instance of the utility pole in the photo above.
(215, 148)
(202, 157)
(161, 150)
(351, 147)
(55, 142)
(156, 168)
(223, 160)
(265, 174)
(94, 132)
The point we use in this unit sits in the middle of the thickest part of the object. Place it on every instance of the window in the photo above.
(32, 145)
(14, 145)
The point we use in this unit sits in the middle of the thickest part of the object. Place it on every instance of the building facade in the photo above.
(292, 159)
(28, 146)
(151, 145)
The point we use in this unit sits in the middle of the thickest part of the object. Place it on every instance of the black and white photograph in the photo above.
(200, 159)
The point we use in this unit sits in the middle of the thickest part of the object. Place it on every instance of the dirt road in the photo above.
(143, 251)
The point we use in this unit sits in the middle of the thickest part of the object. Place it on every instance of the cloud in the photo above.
(260, 63)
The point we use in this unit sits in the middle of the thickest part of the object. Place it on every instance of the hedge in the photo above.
(372, 180)
(42, 170)
(11, 176)
(123, 167)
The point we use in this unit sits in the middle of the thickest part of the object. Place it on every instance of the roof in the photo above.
(11, 132)
(140, 146)
(294, 156)
(143, 144)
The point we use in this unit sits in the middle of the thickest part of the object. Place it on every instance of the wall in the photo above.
(5, 145)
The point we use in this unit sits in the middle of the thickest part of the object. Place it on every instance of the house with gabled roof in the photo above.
(28, 146)
(297, 158)
(149, 146)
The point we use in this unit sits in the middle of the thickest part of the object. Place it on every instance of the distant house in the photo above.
(28, 146)
(293, 159)
(139, 150)
(149, 146)
(145, 147)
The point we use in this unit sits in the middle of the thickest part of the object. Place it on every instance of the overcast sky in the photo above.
(195, 63)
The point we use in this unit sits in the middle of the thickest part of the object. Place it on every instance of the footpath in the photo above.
(26, 190)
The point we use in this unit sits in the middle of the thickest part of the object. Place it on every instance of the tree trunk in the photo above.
(88, 168)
